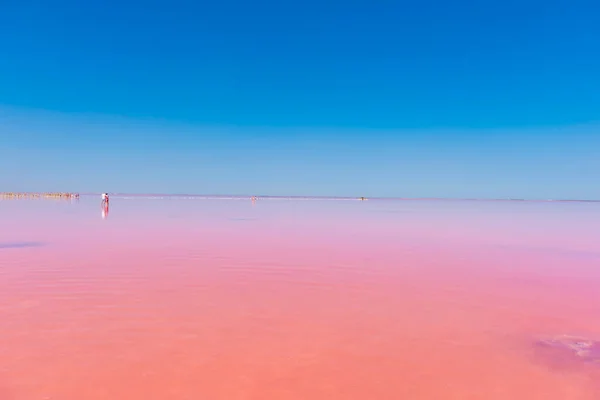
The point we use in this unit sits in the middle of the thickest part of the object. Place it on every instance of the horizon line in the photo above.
(309, 197)
(305, 197)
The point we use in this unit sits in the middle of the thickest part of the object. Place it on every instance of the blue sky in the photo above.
(416, 99)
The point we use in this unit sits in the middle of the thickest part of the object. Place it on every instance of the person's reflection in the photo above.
(104, 209)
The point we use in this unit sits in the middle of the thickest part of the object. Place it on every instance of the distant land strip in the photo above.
(35, 195)
(69, 195)
(356, 198)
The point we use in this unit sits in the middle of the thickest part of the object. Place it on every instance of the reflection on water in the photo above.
(303, 300)
(104, 207)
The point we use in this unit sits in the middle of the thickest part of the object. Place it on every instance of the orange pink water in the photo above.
(223, 299)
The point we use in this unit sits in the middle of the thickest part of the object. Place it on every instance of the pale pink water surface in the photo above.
(225, 299)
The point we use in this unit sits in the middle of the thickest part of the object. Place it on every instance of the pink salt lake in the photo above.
(175, 298)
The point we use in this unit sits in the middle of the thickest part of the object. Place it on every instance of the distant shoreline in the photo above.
(357, 198)
(39, 195)
(259, 197)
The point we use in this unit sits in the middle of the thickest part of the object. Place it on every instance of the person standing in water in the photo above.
(104, 205)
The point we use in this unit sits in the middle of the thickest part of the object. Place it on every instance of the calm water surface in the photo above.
(225, 299)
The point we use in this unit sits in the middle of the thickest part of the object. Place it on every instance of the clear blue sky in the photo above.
(374, 98)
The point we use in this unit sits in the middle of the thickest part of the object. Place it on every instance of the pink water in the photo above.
(223, 299)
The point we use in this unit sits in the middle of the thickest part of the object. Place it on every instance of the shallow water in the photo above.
(225, 299)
